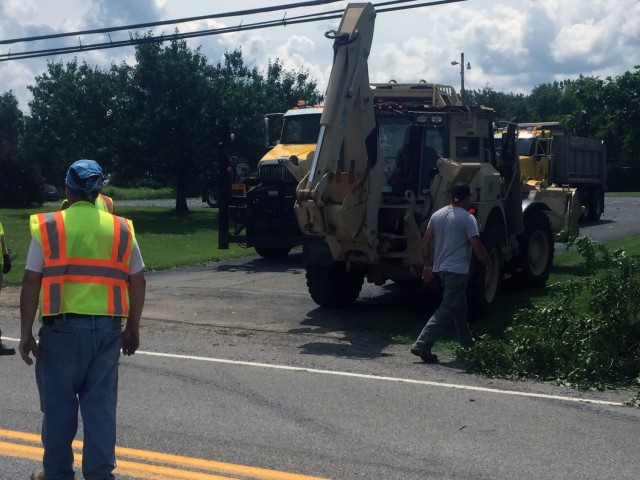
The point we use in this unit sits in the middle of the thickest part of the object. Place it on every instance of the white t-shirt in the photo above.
(35, 258)
(453, 227)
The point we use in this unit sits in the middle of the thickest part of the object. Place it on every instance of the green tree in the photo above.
(548, 102)
(246, 94)
(177, 107)
(623, 117)
(70, 110)
(11, 123)
(506, 105)
(20, 184)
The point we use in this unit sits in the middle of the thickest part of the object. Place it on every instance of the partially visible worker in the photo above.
(6, 267)
(103, 202)
(85, 270)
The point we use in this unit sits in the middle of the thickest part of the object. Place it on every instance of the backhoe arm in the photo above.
(348, 115)
(333, 198)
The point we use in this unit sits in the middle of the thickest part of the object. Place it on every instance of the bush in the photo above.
(588, 336)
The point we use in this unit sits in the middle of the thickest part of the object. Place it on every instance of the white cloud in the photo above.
(512, 46)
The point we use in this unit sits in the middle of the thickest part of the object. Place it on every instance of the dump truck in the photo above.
(387, 156)
(551, 157)
(261, 207)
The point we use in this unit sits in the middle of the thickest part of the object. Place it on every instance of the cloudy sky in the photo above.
(511, 45)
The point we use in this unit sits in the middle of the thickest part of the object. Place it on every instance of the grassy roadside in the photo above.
(167, 240)
(138, 193)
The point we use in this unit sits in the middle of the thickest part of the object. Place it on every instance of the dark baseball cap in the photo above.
(85, 175)
(459, 192)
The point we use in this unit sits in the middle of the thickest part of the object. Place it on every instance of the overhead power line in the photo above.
(132, 41)
(137, 26)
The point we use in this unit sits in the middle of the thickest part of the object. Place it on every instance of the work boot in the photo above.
(426, 357)
(38, 475)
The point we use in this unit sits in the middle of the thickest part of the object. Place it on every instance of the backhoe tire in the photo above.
(594, 212)
(536, 250)
(482, 294)
(273, 253)
(213, 199)
(334, 287)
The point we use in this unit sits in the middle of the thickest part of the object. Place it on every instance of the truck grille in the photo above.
(275, 172)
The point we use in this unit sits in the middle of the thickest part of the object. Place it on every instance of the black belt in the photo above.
(49, 319)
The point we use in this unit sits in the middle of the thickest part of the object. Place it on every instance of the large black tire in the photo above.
(596, 207)
(213, 199)
(482, 294)
(333, 286)
(273, 253)
(536, 250)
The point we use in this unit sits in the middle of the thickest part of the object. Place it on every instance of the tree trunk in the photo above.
(181, 194)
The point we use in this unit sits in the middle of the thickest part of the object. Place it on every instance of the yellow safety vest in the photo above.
(104, 203)
(86, 261)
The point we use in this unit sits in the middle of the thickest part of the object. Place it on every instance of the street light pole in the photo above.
(461, 63)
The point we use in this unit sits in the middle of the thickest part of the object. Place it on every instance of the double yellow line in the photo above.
(147, 465)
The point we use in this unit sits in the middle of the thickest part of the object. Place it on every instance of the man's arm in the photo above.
(29, 295)
(427, 271)
(131, 334)
(481, 253)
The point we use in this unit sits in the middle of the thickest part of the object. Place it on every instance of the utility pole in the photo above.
(461, 63)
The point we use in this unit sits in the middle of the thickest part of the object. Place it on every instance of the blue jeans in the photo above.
(78, 367)
(452, 308)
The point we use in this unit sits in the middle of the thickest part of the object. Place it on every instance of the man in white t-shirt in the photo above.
(455, 232)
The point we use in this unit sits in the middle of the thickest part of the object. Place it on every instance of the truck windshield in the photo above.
(526, 146)
(301, 129)
(393, 134)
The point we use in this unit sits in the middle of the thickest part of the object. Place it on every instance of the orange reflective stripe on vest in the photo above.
(113, 272)
(106, 201)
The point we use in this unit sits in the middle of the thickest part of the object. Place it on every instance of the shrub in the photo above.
(587, 336)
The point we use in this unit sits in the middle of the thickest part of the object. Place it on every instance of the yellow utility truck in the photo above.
(551, 157)
(261, 207)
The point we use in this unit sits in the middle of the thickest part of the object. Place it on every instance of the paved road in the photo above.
(240, 367)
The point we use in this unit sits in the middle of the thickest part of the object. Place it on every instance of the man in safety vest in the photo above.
(103, 202)
(85, 270)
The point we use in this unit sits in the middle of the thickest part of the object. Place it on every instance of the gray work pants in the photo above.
(453, 308)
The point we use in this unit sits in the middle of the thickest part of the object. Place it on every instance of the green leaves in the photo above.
(587, 336)
(152, 123)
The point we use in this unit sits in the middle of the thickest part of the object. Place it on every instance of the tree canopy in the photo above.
(154, 123)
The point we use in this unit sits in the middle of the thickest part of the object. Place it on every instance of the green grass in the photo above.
(138, 193)
(167, 240)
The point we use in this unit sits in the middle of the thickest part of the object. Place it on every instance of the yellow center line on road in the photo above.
(162, 466)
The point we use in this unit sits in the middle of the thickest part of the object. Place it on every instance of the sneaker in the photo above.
(427, 357)
(7, 351)
(38, 475)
